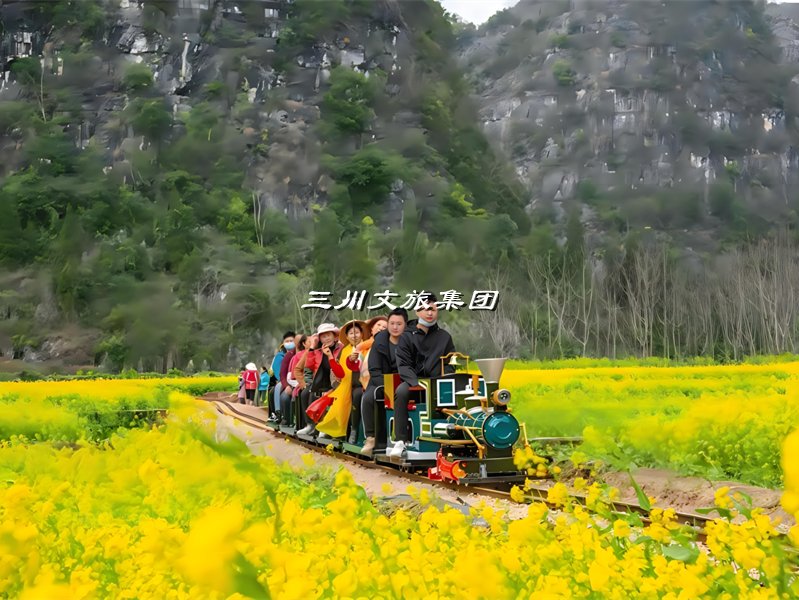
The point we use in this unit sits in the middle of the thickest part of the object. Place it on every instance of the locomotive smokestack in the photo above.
(491, 368)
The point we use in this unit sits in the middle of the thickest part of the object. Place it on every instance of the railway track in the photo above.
(501, 491)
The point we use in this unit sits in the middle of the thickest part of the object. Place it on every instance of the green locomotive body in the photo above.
(462, 428)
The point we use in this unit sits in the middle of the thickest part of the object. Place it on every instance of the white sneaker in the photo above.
(397, 449)
(323, 437)
(305, 430)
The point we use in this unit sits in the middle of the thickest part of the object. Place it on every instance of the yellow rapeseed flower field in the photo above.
(722, 422)
(69, 410)
(167, 511)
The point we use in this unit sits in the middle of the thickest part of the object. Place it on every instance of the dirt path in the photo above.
(686, 494)
(373, 481)
(670, 490)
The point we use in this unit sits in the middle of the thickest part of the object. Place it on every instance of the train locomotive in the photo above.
(462, 429)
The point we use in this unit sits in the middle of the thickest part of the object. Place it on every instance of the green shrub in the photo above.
(137, 78)
(563, 72)
(560, 40)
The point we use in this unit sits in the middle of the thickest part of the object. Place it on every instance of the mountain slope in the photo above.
(177, 176)
(680, 116)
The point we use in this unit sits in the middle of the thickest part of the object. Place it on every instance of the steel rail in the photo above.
(693, 520)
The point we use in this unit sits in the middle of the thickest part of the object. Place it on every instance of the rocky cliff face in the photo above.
(671, 115)
(197, 48)
(180, 158)
(177, 158)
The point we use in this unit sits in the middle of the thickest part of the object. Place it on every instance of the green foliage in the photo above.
(468, 156)
(15, 113)
(587, 191)
(732, 169)
(114, 350)
(229, 35)
(723, 203)
(680, 207)
(165, 265)
(618, 39)
(501, 18)
(137, 78)
(365, 178)
(309, 19)
(27, 71)
(88, 17)
(458, 204)
(564, 73)
(215, 90)
(560, 40)
(150, 118)
(347, 107)
(202, 122)
(340, 262)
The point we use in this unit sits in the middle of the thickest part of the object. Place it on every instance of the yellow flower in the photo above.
(790, 461)
(558, 494)
(621, 529)
(128, 519)
(516, 494)
(578, 458)
(793, 535)
(790, 502)
(212, 534)
(722, 498)
(537, 512)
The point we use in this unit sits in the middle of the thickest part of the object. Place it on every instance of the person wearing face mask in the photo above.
(286, 389)
(274, 371)
(418, 355)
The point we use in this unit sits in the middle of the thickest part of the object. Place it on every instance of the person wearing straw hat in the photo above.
(335, 423)
(250, 376)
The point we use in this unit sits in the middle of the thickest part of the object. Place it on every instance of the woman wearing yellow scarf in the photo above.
(358, 362)
(336, 422)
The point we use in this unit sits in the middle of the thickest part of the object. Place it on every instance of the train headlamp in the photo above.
(501, 397)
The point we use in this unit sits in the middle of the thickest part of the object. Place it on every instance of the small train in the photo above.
(462, 428)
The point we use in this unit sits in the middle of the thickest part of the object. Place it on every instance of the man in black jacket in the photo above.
(382, 361)
(419, 353)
